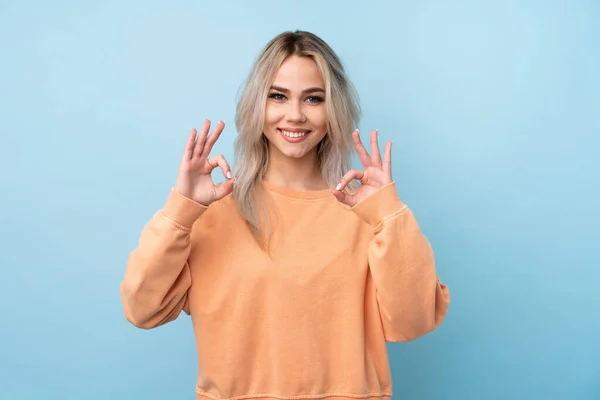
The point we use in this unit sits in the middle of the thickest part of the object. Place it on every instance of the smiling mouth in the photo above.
(294, 134)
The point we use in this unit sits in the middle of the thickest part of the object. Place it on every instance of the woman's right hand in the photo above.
(194, 178)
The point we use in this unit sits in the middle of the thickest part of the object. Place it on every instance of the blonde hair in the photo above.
(251, 146)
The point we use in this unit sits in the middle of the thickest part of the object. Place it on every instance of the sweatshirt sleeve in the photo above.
(157, 276)
(412, 300)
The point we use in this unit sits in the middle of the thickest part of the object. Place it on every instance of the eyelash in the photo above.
(317, 99)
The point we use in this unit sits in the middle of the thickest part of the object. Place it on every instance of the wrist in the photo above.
(378, 205)
(182, 209)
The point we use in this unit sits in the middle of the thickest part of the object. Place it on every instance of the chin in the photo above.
(295, 154)
(293, 151)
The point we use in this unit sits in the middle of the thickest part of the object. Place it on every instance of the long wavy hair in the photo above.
(251, 146)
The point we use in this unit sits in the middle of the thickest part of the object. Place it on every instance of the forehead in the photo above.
(298, 72)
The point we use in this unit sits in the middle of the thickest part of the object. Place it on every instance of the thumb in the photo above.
(223, 189)
(344, 198)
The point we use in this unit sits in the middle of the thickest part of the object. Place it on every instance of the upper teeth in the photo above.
(293, 134)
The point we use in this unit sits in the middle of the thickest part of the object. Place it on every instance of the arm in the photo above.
(157, 277)
(412, 300)
(155, 288)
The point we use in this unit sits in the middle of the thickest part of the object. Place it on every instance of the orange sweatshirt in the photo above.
(309, 322)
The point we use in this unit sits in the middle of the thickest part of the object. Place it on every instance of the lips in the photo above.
(293, 135)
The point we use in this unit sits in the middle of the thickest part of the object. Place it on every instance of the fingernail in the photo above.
(228, 175)
(338, 187)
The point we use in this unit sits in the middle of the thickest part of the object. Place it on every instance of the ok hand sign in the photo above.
(194, 180)
(377, 173)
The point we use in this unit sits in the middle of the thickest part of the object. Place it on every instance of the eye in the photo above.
(277, 96)
(315, 99)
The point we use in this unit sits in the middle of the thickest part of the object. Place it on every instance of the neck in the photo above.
(301, 174)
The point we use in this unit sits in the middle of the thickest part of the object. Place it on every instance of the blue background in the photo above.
(493, 108)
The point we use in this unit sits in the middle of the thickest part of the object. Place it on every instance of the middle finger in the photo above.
(212, 138)
(363, 156)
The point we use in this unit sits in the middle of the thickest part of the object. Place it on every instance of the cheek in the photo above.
(272, 115)
(320, 118)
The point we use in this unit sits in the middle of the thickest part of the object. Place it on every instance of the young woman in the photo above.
(294, 277)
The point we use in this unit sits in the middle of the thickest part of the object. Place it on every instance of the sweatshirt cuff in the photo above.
(182, 210)
(376, 207)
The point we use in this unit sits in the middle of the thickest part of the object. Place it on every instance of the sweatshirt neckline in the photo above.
(297, 194)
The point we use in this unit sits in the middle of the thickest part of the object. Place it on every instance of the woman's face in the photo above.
(295, 114)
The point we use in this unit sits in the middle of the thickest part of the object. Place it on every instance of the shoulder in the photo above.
(223, 212)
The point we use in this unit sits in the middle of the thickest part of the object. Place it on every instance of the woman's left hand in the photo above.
(376, 173)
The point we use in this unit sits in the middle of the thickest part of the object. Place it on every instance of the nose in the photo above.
(295, 112)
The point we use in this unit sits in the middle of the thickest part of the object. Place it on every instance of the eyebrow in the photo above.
(306, 91)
